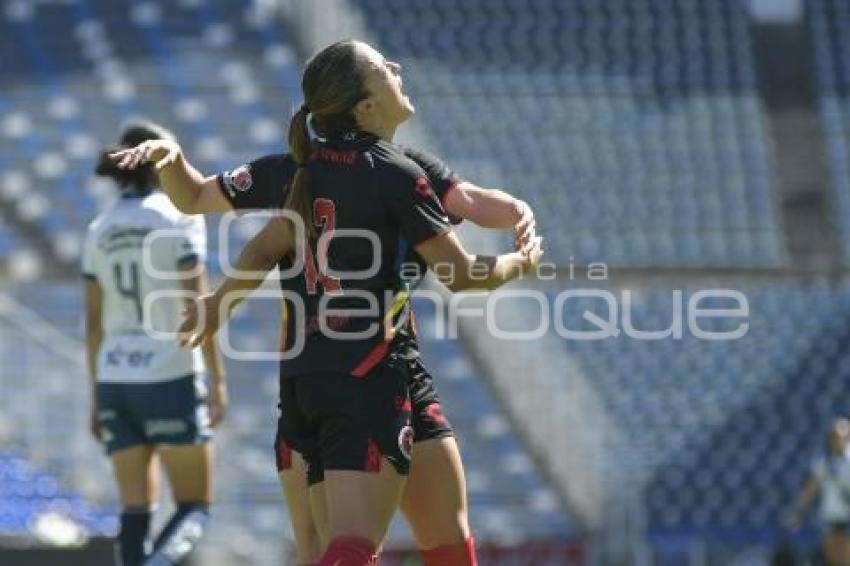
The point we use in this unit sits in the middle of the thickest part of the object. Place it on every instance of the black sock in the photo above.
(130, 546)
(180, 535)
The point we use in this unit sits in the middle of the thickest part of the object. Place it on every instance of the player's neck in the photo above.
(382, 131)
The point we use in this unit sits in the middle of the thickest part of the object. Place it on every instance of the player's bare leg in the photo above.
(138, 485)
(836, 548)
(319, 509)
(360, 506)
(189, 469)
(434, 501)
(136, 474)
(308, 545)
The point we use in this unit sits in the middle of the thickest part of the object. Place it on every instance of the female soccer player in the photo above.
(149, 397)
(434, 500)
(344, 394)
(830, 478)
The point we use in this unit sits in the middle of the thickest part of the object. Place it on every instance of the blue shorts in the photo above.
(167, 412)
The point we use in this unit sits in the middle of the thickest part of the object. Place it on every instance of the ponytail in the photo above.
(334, 81)
(299, 198)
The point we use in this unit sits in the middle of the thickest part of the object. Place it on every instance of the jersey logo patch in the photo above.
(239, 179)
(405, 441)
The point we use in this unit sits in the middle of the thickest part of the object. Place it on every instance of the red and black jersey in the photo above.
(262, 183)
(362, 183)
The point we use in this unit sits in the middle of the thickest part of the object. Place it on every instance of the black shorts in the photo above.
(427, 416)
(166, 412)
(340, 422)
(428, 419)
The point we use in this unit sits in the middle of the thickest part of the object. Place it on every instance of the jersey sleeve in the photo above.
(443, 179)
(260, 184)
(191, 242)
(413, 202)
(90, 256)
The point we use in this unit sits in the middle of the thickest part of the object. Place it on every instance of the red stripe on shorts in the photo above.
(373, 458)
(284, 455)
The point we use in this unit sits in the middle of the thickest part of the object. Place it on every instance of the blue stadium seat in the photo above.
(639, 124)
(829, 24)
(725, 431)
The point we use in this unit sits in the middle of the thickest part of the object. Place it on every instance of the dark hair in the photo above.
(332, 84)
(141, 180)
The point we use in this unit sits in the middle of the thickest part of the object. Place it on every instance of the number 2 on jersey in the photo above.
(324, 216)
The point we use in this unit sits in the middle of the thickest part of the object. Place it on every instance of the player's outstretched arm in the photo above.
(197, 284)
(492, 208)
(260, 255)
(189, 190)
(459, 270)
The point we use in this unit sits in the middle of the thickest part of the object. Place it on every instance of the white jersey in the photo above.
(834, 477)
(133, 249)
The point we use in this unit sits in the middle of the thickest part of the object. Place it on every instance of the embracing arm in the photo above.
(189, 190)
(460, 270)
(488, 208)
(196, 283)
(258, 257)
(492, 208)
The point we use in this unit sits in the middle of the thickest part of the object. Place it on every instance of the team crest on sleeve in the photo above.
(239, 180)
(423, 187)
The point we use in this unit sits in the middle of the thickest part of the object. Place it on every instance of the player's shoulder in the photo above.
(104, 218)
(159, 205)
(416, 154)
(241, 177)
(160, 211)
(274, 163)
(394, 160)
(265, 171)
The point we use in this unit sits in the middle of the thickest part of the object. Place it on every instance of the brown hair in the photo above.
(332, 84)
(141, 179)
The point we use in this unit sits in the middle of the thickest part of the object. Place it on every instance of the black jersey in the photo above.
(362, 183)
(262, 183)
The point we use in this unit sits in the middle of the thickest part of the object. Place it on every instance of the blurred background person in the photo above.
(829, 481)
(150, 398)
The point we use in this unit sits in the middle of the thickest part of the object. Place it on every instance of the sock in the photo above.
(130, 546)
(180, 535)
(461, 554)
(349, 551)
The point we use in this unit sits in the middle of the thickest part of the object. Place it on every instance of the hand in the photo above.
(524, 229)
(533, 253)
(203, 318)
(94, 423)
(161, 152)
(219, 400)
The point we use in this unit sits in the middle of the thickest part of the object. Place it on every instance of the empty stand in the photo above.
(633, 127)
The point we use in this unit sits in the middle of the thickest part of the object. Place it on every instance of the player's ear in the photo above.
(364, 108)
